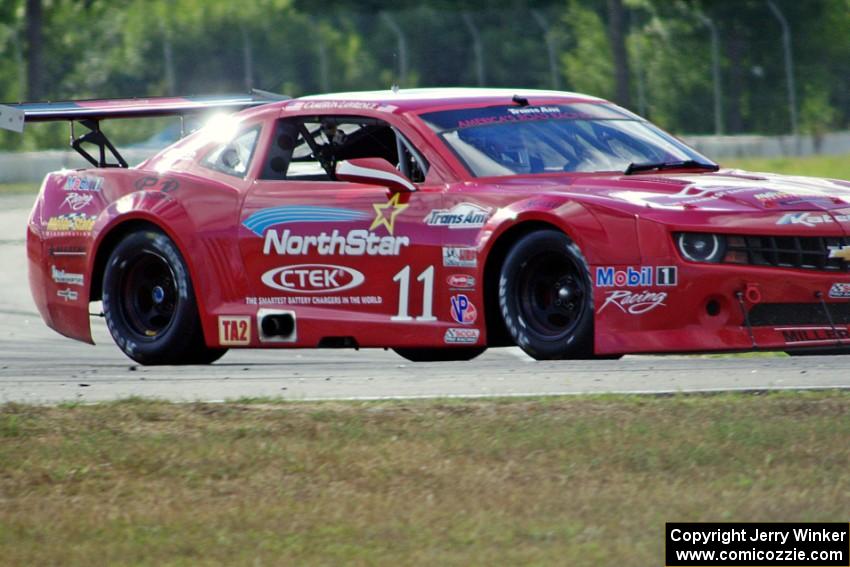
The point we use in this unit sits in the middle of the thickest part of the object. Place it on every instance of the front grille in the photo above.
(804, 252)
(774, 314)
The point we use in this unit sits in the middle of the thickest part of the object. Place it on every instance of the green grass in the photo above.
(18, 188)
(834, 167)
(557, 481)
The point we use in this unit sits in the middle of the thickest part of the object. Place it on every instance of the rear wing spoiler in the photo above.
(89, 113)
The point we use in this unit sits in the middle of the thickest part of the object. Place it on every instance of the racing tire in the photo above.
(149, 303)
(546, 297)
(439, 354)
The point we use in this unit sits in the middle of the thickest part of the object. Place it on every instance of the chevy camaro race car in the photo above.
(434, 222)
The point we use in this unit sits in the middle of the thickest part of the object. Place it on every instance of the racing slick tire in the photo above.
(546, 297)
(149, 303)
(439, 354)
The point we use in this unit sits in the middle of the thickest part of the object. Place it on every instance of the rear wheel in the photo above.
(439, 354)
(149, 303)
(546, 297)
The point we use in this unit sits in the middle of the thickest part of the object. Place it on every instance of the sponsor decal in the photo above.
(339, 104)
(66, 251)
(461, 336)
(460, 281)
(460, 257)
(80, 183)
(840, 290)
(77, 201)
(462, 215)
(463, 311)
(666, 276)
(68, 294)
(385, 213)
(798, 335)
(63, 277)
(313, 278)
(73, 222)
(264, 219)
(634, 302)
(842, 252)
(163, 185)
(317, 300)
(607, 276)
(810, 219)
(234, 331)
(356, 242)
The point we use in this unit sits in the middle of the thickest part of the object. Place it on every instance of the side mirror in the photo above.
(373, 170)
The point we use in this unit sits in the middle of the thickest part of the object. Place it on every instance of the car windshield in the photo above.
(579, 137)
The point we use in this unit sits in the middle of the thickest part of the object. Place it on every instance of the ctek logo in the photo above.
(630, 277)
(313, 278)
(462, 215)
(234, 331)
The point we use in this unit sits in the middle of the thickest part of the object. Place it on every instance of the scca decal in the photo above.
(313, 278)
(234, 330)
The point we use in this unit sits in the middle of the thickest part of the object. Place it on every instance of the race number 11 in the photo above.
(403, 279)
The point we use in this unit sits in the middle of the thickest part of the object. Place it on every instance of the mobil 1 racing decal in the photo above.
(376, 240)
(640, 276)
(635, 301)
(462, 309)
(77, 201)
(462, 215)
(83, 183)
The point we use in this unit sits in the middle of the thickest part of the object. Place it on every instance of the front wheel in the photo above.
(439, 354)
(149, 303)
(546, 297)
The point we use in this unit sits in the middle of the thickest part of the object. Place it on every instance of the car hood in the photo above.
(725, 190)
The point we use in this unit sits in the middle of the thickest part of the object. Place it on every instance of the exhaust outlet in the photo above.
(276, 326)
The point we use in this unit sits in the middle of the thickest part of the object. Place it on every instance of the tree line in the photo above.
(693, 66)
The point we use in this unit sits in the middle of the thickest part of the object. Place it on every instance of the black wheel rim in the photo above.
(553, 294)
(148, 295)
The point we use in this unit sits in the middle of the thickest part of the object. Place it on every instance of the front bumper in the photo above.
(689, 307)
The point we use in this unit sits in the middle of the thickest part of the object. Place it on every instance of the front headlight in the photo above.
(701, 247)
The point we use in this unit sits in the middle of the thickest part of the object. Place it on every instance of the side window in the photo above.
(234, 157)
(308, 148)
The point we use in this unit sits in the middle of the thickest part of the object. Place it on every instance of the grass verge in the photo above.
(18, 188)
(834, 167)
(561, 481)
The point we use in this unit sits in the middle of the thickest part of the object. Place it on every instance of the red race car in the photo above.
(437, 223)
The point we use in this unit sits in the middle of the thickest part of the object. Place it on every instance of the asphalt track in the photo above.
(39, 366)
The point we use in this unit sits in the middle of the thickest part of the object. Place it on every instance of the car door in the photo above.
(352, 263)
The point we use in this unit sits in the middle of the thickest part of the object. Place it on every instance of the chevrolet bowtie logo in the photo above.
(842, 252)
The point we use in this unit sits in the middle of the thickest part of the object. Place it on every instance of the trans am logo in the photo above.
(462, 215)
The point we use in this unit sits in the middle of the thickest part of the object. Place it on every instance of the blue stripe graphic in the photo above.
(263, 219)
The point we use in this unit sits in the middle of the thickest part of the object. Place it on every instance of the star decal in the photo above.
(385, 214)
